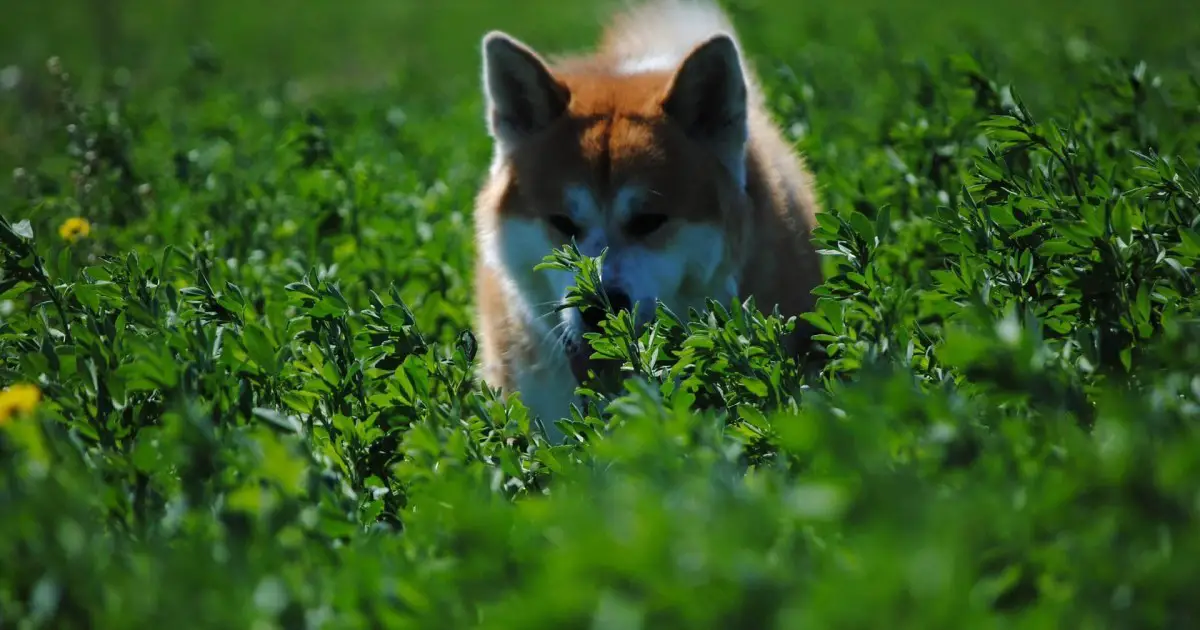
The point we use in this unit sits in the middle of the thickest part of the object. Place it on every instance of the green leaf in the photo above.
(1059, 246)
(284, 423)
(1077, 232)
(862, 226)
(1143, 303)
(260, 348)
(88, 296)
(1123, 221)
(755, 386)
(1189, 242)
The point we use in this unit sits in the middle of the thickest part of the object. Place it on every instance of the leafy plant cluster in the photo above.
(258, 405)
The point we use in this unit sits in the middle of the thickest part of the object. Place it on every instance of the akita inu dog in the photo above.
(658, 146)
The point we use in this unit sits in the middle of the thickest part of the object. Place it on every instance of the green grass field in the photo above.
(237, 367)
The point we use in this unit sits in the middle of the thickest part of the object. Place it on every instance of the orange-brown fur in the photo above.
(613, 132)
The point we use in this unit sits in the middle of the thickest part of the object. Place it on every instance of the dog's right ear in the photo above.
(523, 97)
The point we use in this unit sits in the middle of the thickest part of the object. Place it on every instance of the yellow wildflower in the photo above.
(19, 399)
(74, 229)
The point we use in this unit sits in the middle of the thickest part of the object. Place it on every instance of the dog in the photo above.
(658, 148)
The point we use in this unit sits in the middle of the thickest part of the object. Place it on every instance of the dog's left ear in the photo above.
(707, 98)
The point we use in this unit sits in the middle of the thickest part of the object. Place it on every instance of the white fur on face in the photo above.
(694, 258)
(517, 246)
(681, 275)
(548, 386)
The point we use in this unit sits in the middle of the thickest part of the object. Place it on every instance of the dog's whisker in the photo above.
(559, 334)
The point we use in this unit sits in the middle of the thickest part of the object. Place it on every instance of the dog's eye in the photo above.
(564, 224)
(645, 224)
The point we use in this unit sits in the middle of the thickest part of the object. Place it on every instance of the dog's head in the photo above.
(649, 166)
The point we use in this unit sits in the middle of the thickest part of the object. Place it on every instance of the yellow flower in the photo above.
(19, 399)
(74, 229)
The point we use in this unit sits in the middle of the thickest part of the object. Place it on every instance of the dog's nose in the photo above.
(619, 300)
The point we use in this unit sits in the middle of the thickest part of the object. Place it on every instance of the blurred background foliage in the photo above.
(323, 37)
(255, 403)
(426, 53)
(362, 43)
